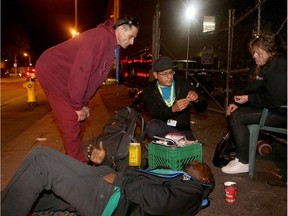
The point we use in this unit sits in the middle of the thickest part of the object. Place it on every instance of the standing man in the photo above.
(71, 72)
(168, 100)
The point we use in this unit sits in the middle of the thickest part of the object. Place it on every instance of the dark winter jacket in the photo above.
(159, 110)
(269, 89)
(146, 194)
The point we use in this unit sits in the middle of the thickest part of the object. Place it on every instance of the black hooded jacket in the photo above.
(269, 89)
(143, 194)
(159, 110)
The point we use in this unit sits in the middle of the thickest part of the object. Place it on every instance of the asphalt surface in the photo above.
(254, 196)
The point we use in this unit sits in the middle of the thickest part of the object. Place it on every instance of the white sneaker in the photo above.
(234, 167)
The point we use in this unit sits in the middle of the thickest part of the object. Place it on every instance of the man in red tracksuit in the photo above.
(71, 72)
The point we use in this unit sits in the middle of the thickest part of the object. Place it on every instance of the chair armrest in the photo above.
(263, 117)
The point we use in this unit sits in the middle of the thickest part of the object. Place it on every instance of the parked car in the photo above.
(29, 72)
(13, 74)
(4, 72)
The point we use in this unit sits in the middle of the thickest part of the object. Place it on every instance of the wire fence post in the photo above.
(229, 53)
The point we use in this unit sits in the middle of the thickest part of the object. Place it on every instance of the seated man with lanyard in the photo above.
(168, 100)
(50, 180)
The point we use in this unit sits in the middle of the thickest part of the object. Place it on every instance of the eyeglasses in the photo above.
(165, 74)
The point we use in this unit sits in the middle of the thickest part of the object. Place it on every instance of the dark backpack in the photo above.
(118, 133)
(225, 151)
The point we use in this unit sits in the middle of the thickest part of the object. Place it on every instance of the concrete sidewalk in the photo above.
(45, 133)
(255, 197)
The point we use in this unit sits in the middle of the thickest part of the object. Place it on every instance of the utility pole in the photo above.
(75, 31)
(15, 65)
(116, 10)
(76, 16)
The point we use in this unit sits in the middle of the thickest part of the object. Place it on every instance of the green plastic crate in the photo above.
(173, 157)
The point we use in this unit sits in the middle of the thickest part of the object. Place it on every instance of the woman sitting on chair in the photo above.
(268, 89)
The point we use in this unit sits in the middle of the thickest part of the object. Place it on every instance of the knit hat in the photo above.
(162, 63)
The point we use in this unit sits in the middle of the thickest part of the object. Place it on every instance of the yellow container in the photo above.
(30, 85)
(134, 154)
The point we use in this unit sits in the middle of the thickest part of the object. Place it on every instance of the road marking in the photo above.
(10, 101)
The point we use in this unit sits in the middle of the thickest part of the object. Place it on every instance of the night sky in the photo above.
(48, 22)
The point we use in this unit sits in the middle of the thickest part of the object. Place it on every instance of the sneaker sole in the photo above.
(235, 172)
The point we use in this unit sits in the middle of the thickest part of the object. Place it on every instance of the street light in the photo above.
(29, 59)
(190, 14)
(74, 31)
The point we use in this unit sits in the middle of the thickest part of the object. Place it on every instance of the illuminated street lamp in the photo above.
(29, 59)
(74, 33)
(190, 14)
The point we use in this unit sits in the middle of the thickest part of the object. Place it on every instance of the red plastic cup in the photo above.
(230, 192)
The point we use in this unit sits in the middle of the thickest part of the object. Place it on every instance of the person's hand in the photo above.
(241, 99)
(180, 105)
(192, 96)
(86, 110)
(83, 113)
(230, 109)
(96, 155)
(110, 177)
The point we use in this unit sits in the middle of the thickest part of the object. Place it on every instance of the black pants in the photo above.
(239, 121)
(62, 178)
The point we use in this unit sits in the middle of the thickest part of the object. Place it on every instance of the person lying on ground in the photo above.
(50, 180)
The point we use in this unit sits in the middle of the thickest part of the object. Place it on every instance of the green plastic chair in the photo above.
(254, 130)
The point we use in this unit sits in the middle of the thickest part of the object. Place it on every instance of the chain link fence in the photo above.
(267, 15)
(228, 72)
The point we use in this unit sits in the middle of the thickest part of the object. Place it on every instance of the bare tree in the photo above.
(13, 41)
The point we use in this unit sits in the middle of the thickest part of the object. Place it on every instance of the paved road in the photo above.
(16, 114)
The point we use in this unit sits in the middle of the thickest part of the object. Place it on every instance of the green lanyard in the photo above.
(169, 102)
(112, 203)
